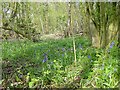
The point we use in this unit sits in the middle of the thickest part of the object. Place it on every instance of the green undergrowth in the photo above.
(50, 64)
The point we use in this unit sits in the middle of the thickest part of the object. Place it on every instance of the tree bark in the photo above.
(68, 32)
(119, 24)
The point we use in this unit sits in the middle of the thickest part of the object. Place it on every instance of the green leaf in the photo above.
(31, 84)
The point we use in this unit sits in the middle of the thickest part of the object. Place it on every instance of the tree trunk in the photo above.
(104, 28)
(87, 23)
(118, 24)
(68, 32)
(46, 18)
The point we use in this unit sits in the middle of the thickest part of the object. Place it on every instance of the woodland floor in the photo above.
(50, 63)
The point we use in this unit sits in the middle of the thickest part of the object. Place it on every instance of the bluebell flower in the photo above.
(24, 64)
(63, 49)
(112, 44)
(89, 56)
(45, 59)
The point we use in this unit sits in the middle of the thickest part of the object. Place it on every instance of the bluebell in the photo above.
(45, 59)
(63, 49)
(112, 44)
(89, 56)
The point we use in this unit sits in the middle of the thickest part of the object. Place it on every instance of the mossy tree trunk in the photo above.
(87, 23)
(102, 15)
(119, 24)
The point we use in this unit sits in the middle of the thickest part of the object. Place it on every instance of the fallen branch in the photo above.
(16, 31)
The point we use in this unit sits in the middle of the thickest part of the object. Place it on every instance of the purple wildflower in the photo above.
(24, 64)
(45, 59)
(112, 44)
(63, 49)
(89, 56)
(5, 10)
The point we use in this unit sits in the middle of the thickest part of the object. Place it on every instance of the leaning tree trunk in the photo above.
(94, 28)
(118, 24)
